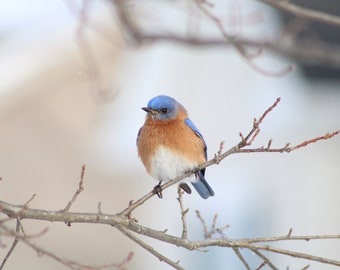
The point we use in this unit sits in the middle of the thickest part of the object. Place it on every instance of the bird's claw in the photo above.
(158, 190)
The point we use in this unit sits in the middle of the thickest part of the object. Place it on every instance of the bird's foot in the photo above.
(158, 190)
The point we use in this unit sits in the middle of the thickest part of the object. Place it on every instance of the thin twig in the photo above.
(259, 122)
(290, 237)
(242, 259)
(225, 242)
(134, 204)
(263, 264)
(213, 224)
(183, 213)
(149, 248)
(288, 148)
(297, 254)
(35, 247)
(207, 234)
(15, 242)
(126, 20)
(82, 12)
(314, 140)
(303, 12)
(266, 261)
(238, 46)
(305, 267)
(256, 126)
(78, 191)
(66, 262)
(220, 150)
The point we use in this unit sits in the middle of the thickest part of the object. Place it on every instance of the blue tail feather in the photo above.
(202, 187)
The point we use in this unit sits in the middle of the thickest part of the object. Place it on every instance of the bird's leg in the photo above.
(158, 190)
(193, 171)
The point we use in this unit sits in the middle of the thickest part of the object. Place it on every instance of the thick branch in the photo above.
(16, 211)
(120, 223)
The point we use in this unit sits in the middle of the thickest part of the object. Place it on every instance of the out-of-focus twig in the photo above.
(15, 242)
(303, 12)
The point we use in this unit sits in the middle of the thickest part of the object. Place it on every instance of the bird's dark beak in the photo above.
(148, 110)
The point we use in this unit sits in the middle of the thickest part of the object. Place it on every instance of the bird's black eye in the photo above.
(164, 110)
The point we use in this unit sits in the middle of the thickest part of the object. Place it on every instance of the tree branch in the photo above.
(242, 259)
(120, 223)
(14, 211)
(78, 191)
(265, 260)
(66, 262)
(305, 50)
(184, 213)
(303, 12)
(15, 242)
(148, 248)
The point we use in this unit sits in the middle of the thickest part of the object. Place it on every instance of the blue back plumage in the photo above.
(201, 185)
(191, 125)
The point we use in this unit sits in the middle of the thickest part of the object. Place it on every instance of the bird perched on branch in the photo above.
(169, 145)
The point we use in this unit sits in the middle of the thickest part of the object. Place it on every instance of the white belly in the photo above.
(167, 165)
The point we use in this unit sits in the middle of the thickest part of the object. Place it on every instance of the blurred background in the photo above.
(71, 93)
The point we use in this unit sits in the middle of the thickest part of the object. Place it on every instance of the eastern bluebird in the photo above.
(169, 145)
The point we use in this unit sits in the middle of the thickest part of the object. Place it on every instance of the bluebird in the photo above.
(169, 145)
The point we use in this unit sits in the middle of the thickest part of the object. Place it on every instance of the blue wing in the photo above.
(201, 185)
(191, 125)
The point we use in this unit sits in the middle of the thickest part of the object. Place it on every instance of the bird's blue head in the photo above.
(163, 108)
